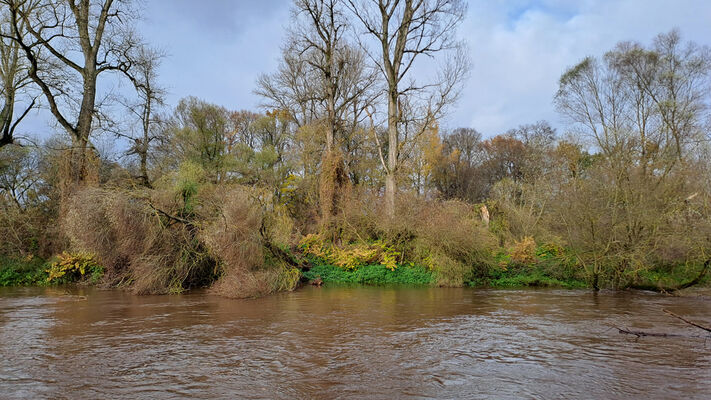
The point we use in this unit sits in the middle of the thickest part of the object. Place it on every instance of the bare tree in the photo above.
(323, 80)
(402, 30)
(644, 109)
(151, 97)
(322, 76)
(14, 81)
(70, 39)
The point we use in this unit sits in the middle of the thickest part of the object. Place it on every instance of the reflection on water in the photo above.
(349, 343)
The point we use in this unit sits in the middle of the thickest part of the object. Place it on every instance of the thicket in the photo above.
(167, 240)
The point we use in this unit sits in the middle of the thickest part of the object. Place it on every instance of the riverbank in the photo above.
(33, 271)
(513, 278)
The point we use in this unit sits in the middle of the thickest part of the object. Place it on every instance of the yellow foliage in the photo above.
(67, 263)
(314, 245)
(352, 256)
(524, 251)
(433, 149)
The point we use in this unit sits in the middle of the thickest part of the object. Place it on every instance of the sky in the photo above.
(519, 48)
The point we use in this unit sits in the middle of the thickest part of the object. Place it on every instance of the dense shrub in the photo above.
(28, 271)
(448, 238)
(73, 267)
(163, 241)
(376, 274)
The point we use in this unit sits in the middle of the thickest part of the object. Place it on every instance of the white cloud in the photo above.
(517, 62)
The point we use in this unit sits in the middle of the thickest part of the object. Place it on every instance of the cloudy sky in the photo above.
(519, 48)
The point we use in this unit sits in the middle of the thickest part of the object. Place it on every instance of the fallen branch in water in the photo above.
(707, 329)
(654, 334)
(659, 334)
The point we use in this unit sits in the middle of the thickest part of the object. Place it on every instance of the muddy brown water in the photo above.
(360, 342)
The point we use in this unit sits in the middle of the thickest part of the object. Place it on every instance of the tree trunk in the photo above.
(83, 128)
(331, 119)
(393, 146)
(144, 169)
(6, 119)
(146, 139)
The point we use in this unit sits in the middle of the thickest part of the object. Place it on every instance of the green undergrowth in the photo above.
(545, 266)
(23, 272)
(377, 274)
(528, 279)
(672, 276)
(62, 269)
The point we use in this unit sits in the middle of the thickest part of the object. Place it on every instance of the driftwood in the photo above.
(659, 334)
(706, 328)
(653, 334)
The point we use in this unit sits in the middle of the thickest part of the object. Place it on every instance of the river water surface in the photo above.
(350, 343)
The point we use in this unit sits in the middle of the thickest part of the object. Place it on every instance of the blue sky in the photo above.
(519, 48)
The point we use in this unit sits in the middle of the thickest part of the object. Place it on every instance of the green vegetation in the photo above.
(63, 269)
(535, 276)
(377, 274)
(23, 272)
(552, 267)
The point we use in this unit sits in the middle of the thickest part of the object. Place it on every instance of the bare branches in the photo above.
(706, 328)
(322, 78)
(143, 75)
(67, 45)
(400, 32)
(14, 82)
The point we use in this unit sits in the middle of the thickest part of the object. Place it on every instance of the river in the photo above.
(357, 342)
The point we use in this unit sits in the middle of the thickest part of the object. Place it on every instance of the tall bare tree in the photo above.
(402, 31)
(150, 97)
(322, 76)
(644, 109)
(14, 82)
(323, 80)
(69, 41)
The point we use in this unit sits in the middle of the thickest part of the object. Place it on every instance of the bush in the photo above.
(352, 256)
(169, 240)
(131, 236)
(74, 267)
(240, 235)
(524, 251)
